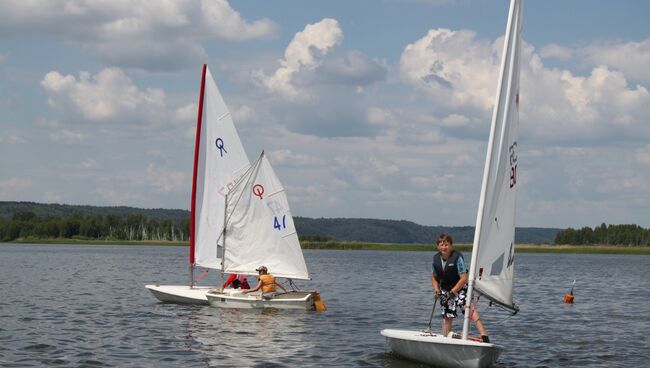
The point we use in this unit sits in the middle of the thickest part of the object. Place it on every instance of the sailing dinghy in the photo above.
(259, 230)
(219, 162)
(491, 267)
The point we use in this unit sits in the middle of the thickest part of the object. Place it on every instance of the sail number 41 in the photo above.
(276, 223)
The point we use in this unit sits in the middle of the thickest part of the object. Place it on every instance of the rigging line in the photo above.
(202, 275)
(253, 167)
(504, 319)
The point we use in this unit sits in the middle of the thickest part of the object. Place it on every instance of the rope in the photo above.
(435, 301)
(293, 286)
(510, 312)
(202, 275)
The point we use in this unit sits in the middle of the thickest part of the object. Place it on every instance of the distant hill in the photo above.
(342, 229)
(7, 209)
(394, 231)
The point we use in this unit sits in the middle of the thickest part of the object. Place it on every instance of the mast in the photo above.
(223, 247)
(509, 62)
(197, 144)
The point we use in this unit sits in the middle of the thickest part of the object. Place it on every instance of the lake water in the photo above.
(72, 305)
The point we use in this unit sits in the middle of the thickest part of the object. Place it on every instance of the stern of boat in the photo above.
(434, 349)
(234, 298)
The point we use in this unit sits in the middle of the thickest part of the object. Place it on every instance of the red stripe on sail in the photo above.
(196, 164)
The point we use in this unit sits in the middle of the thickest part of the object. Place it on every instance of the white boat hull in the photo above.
(441, 351)
(303, 300)
(182, 294)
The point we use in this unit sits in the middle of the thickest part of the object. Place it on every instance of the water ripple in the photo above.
(86, 306)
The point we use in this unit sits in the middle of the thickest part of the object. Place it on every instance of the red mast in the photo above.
(196, 163)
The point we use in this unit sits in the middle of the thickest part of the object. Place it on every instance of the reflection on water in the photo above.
(236, 337)
(87, 306)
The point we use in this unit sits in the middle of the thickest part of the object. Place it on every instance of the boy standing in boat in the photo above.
(449, 279)
(267, 283)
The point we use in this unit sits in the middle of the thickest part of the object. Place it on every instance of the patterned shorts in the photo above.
(450, 308)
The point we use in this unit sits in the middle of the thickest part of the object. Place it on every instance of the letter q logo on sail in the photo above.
(258, 190)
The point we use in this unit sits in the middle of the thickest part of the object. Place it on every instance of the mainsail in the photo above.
(220, 161)
(259, 227)
(492, 264)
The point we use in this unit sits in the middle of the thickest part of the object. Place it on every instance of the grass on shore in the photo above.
(336, 245)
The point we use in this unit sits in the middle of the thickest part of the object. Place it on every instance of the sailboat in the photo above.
(259, 231)
(219, 162)
(491, 271)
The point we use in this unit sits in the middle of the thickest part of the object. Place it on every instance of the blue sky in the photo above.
(375, 109)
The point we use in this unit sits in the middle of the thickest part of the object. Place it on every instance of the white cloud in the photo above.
(87, 164)
(66, 136)
(563, 107)
(643, 155)
(352, 67)
(116, 197)
(555, 51)
(187, 113)
(632, 58)
(381, 116)
(10, 188)
(303, 53)
(243, 114)
(453, 67)
(153, 35)
(455, 120)
(52, 197)
(108, 96)
(285, 157)
(12, 139)
(458, 74)
(166, 180)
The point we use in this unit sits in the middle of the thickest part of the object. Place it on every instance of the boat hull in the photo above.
(438, 350)
(303, 300)
(181, 294)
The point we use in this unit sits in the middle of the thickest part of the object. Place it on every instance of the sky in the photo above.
(366, 109)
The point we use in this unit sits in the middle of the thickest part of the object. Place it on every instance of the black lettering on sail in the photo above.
(511, 257)
(497, 266)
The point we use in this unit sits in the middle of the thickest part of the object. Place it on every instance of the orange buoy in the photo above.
(319, 304)
(568, 298)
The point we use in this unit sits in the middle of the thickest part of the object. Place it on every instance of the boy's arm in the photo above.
(434, 282)
(459, 285)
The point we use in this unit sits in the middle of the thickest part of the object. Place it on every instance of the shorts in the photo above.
(268, 296)
(450, 308)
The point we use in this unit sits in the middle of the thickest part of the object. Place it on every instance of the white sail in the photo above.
(221, 163)
(493, 257)
(259, 226)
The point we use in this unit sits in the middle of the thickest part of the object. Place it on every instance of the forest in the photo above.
(618, 235)
(110, 227)
(29, 220)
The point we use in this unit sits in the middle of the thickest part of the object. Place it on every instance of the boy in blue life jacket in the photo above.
(449, 279)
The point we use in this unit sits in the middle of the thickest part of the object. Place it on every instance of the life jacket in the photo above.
(243, 282)
(447, 277)
(268, 283)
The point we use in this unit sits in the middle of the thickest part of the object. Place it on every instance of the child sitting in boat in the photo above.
(267, 283)
(236, 281)
(449, 279)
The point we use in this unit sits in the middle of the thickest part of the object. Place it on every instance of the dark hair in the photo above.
(446, 237)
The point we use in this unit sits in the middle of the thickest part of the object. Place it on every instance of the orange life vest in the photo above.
(268, 283)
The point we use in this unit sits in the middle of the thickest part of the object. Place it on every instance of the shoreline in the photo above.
(333, 245)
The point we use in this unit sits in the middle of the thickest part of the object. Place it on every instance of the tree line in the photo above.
(26, 224)
(618, 235)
